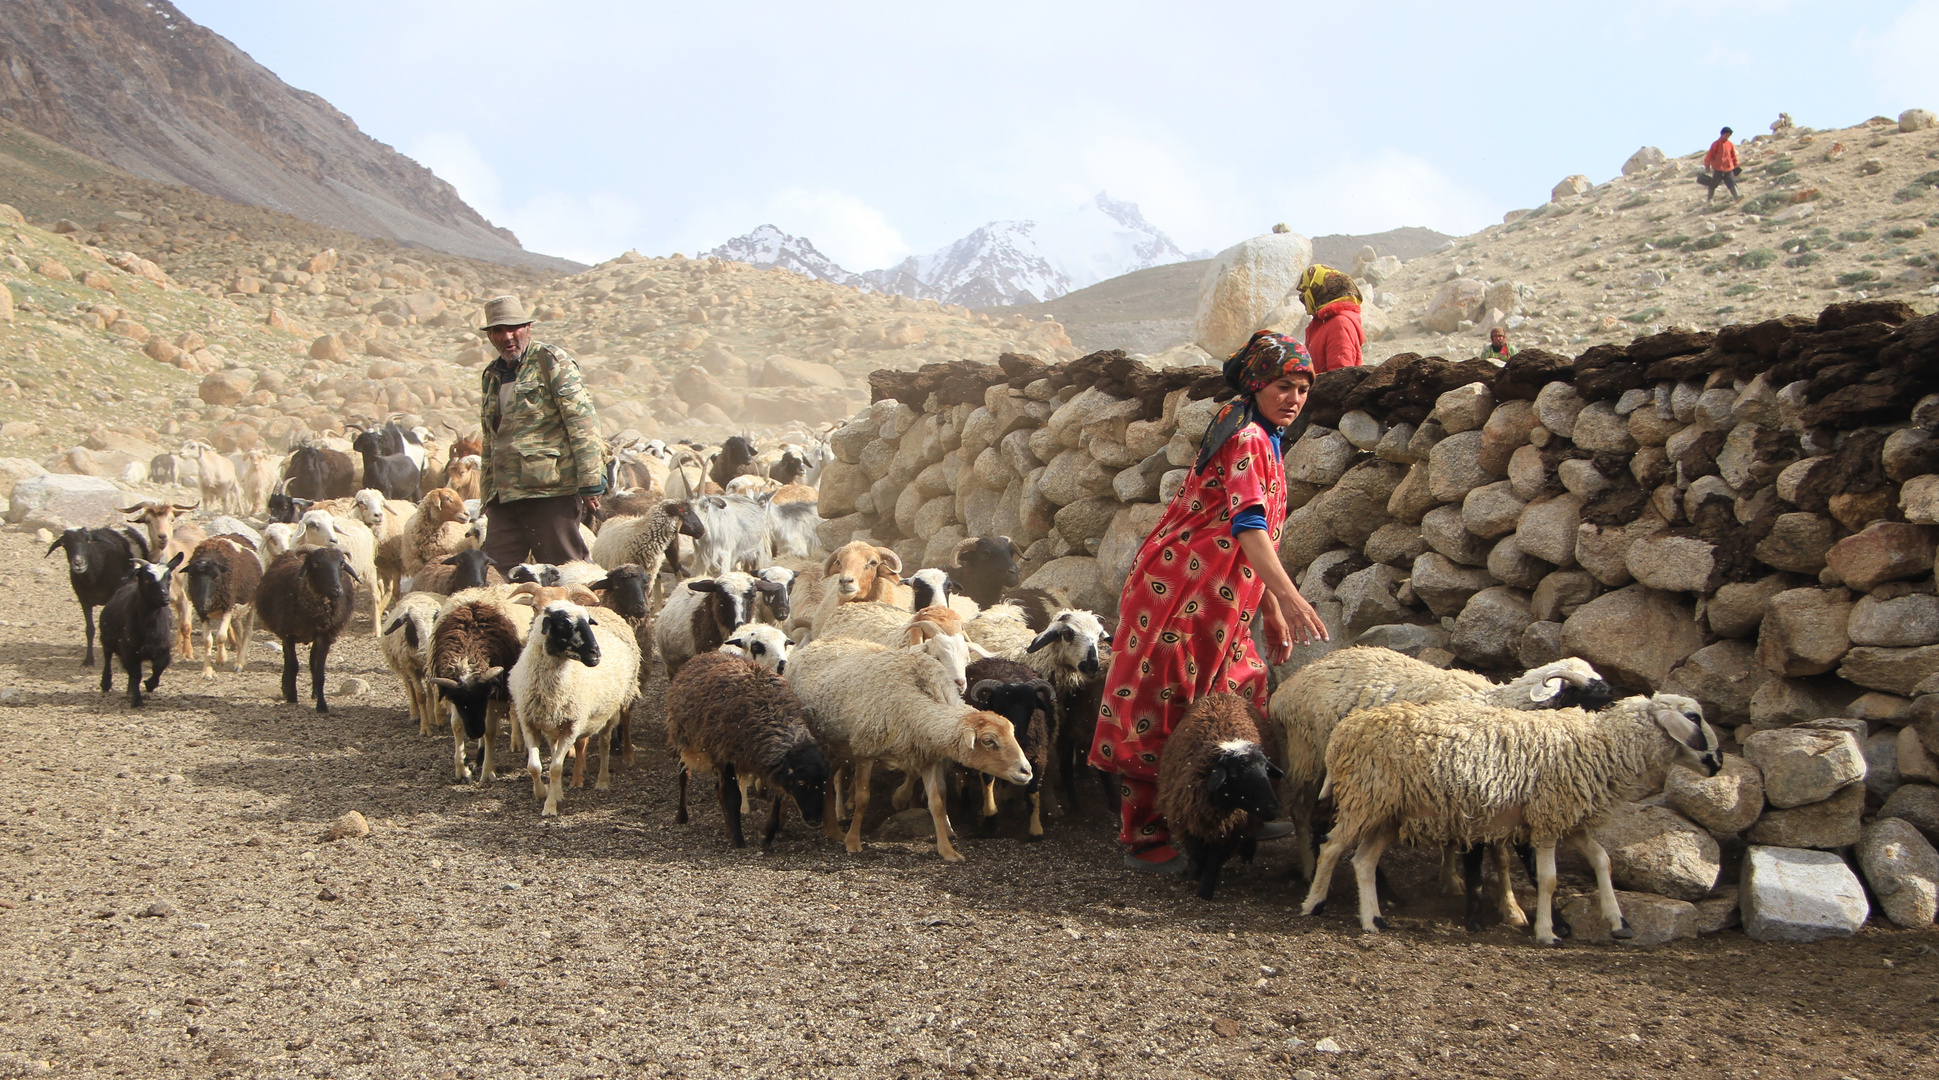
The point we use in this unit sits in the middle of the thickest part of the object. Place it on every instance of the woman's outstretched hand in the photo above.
(1307, 626)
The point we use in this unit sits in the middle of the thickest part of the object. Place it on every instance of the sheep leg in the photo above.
(1605, 890)
(604, 739)
(1329, 858)
(221, 641)
(1209, 860)
(532, 764)
(932, 778)
(1511, 910)
(623, 737)
(87, 620)
(557, 770)
(1452, 879)
(289, 672)
(680, 806)
(209, 650)
(729, 790)
(1472, 884)
(1365, 860)
(989, 794)
(747, 800)
(319, 653)
(1545, 895)
(777, 813)
(831, 826)
(460, 770)
(107, 668)
(1037, 815)
(579, 763)
(487, 745)
(246, 631)
(853, 841)
(905, 795)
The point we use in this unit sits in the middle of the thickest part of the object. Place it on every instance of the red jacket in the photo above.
(1722, 156)
(1335, 337)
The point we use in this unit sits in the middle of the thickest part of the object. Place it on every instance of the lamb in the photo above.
(1319, 695)
(325, 529)
(278, 537)
(169, 535)
(700, 616)
(385, 517)
(426, 534)
(1015, 693)
(222, 574)
(468, 569)
(1215, 783)
(406, 644)
(1464, 772)
(646, 540)
(736, 535)
(575, 572)
(732, 715)
(476, 639)
(574, 679)
(764, 645)
(137, 624)
(856, 571)
(867, 703)
(462, 476)
(98, 561)
(302, 597)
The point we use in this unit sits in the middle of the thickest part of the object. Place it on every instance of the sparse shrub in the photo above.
(1714, 240)
(1838, 245)
(1856, 236)
(1743, 288)
(1857, 277)
(1641, 198)
(1805, 258)
(1757, 258)
(1780, 167)
(1906, 232)
(1643, 316)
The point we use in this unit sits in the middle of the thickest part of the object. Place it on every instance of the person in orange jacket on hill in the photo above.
(1335, 337)
(1722, 163)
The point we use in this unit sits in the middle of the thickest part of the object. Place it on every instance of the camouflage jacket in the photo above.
(547, 442)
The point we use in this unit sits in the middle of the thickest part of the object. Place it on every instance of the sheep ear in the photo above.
(1677, 725)
(1215, 779)
(601, 585)
(172, 563)
(450, 560)
(590, 621)
(1275, 772)
(704, 585)
(1547, 691)
(979, 650)
(1042, 640)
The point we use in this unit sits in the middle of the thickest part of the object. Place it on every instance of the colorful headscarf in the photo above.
(1264, 360)
(1321, 285)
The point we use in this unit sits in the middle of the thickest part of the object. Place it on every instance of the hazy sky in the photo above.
(886, 129)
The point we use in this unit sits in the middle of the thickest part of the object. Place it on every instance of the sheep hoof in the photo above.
(1562, 927)
(1474, 926)
(1623, 932)
(1548, 942)
(1379, 923)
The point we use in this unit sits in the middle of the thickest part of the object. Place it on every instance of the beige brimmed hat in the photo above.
(505, 311)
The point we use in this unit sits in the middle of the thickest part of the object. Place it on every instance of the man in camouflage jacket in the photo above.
(543, 457)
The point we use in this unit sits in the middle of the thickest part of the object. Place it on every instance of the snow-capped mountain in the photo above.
(1001, 263)
(768, 247)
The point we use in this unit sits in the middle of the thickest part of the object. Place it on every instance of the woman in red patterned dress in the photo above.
(1185, 617)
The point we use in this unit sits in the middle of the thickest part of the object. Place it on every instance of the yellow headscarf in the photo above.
(1321, 285)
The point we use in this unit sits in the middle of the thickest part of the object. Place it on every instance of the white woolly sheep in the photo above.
(355, 540)
(578, 673)
(701, 612)
(1464, 773)
(406, 644)
(1315, 698)
(869, 703)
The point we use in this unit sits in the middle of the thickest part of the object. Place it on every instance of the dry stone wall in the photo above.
(1748, 517)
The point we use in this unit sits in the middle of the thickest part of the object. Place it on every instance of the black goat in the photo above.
(1029, 702)
(396, 475)
(736, 458)
(138, 624)
(985, 566)
(97, 563)
(161, 469)
(318, 472)
(287, 508)
(303, 598)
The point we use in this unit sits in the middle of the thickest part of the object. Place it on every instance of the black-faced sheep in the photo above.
(221, 578)
(701, 612)
(869, 703)
(97, 563)
(985, 567)
(137, 624)
(1017, 694)
(1310, 703)
(1215, 783)
(736, 458)
(576, 676)
(303, 597)
(468, 569)
(474, 643)
(1461, 773)
(732, 715)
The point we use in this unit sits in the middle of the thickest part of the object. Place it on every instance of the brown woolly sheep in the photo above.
(221, 578)
(1215, 783)
(730, 715)
(303, 598)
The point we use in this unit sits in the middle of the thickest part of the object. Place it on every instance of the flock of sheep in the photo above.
(796, 672)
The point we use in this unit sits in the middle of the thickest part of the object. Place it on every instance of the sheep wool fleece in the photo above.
(1185, 618)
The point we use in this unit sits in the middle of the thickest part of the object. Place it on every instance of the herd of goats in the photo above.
(794, 671)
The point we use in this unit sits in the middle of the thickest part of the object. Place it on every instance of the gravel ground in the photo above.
(170, 906)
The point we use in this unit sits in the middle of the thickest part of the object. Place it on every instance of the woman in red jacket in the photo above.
(1335, 337)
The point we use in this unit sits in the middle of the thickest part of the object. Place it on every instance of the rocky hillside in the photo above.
(1824, 216)
(137, 84)
(144, 308)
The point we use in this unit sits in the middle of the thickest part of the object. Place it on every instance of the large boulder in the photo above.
(1445, 586)
(1652, 919)
(1804, 631)
(1884, 551)
(58, 501)
(1367, 599)
(1800, 896)
(1895, 671)
(1653, 849)
(1549, 529)
(1454, 467)
(1737, 609)
(1077, 576)
(1723, 676)
(1804, 765)
(1728, 802)
(1635, 636)
(1243, 285)
(1673, 563)
(1456, 302)
(1321, 456)
(1903, 871)
(1833, 823)
(1918, 804)
(1899, 622)
(1355, 507)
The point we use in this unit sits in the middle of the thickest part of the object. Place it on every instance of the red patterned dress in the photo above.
(1185, 621)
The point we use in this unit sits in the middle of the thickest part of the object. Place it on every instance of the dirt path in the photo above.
(467, 938)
